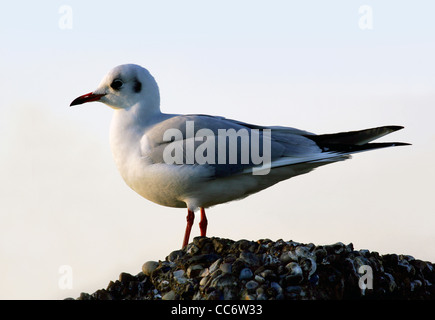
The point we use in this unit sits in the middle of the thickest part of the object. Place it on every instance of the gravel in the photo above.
(217, 268)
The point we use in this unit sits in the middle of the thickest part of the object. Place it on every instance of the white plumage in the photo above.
(137, 139)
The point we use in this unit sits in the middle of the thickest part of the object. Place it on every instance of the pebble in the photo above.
(149, 266)
(215, 265)
(225, 267)
(179, 276)
(295, 271)
(251, 285)
(222, 281)
(267, 274)
(308, 265)
(204, 281)
(259, 279)
(276, 286)
(174, 255)
(126, 277)
(262, 296)
(286, 257)
(270, 260)
(191, 249)
(246, 274)
(217, 268)
(249, 258)
(194, 270)
(204, 272)
(171, 295)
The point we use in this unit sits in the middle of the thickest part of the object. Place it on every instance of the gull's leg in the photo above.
(190, 217)
(203, 223)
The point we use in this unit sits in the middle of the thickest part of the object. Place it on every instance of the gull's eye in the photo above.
(116, 84)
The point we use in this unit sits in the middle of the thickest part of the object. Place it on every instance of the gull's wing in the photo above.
(202, 136)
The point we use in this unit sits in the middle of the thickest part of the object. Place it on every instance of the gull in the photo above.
(144, 151)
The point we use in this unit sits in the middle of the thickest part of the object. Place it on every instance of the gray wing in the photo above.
(227, 146)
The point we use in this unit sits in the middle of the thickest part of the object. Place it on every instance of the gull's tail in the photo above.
(355, 141)
(336, 147)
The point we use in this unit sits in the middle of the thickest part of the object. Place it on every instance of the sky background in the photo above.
(303, 64)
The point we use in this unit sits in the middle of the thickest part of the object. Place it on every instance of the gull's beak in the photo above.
(86, 98)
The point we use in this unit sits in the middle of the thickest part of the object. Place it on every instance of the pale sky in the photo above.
(303, 64)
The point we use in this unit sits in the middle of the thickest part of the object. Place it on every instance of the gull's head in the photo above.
(123, 87)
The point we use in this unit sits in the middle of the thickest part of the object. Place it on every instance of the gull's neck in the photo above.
(130, 124)
(137, 118)
(127, 129)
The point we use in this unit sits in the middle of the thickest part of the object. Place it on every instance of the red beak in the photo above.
(86, 98)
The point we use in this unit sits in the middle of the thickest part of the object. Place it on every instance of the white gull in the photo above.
(138, 143)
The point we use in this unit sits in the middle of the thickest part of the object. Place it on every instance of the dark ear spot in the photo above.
(137, 85)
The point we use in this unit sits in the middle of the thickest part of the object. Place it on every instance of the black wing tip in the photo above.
(380, 145)
(399, 144)
(354, 148)
(394, 128)
(377, 145)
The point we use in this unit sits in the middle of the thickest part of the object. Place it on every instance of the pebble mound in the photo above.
(217, 268)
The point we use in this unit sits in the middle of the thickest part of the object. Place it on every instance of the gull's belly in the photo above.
(167, 185)
(191, 186)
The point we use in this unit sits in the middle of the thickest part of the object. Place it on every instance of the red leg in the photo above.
(190, 217)
(203, 223)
